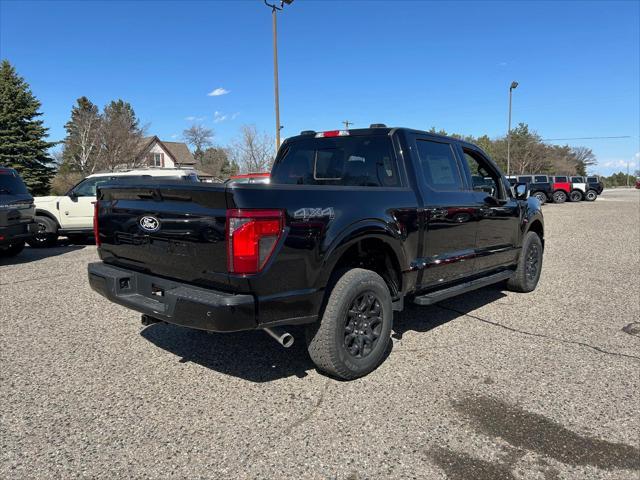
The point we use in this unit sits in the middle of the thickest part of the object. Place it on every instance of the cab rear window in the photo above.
(349, 161)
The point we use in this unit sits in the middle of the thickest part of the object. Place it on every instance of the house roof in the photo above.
(178, 151)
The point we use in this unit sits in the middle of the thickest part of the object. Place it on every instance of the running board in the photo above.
(437, 296)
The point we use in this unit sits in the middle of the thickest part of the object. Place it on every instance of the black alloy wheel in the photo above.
(532, 262)
(363, 325)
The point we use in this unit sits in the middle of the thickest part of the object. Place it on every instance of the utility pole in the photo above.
(346, 124)
(513, 86)
(274, 14)
(627, 173)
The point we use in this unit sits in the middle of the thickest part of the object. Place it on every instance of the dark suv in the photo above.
(17, 213)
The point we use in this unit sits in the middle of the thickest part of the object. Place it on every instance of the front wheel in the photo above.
(591, 196)
(47, 233)
(559, 196)
(352, 337)
(541, 196)
(12, 250)
(525, 278)
(575, 196)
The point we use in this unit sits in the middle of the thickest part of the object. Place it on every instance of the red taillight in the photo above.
(333, 133)
(252, 236)
(96, 230)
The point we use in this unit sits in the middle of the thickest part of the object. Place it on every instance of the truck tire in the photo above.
(525, 279)
(575, 196)
(559, 196)
(541, 196)
(12, 250)
(591, 195)
(47, 233)
(352, 337)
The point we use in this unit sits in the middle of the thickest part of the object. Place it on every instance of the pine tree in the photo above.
(22, 134)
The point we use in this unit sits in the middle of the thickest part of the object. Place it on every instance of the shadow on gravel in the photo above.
(422, 319)
(29, 254)
(253, 355)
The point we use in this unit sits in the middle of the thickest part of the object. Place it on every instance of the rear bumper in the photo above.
(17, 232)
(174, 302)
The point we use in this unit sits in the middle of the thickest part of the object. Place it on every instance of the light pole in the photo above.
(513, 86)
(274, 12)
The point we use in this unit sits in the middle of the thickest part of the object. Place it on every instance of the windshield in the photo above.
(355, 161)
(11, 183)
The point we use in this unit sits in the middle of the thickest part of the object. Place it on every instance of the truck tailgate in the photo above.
(174, 229)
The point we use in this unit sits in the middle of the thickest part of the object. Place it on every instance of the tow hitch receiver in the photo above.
(149, 320)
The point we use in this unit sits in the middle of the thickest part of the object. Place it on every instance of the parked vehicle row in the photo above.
(560, 188)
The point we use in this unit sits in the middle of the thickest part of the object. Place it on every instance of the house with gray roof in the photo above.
(163, 154)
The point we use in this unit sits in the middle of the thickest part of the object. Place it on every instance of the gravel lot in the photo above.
(493, 384)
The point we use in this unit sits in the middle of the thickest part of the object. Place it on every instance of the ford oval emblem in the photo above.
(150, 224)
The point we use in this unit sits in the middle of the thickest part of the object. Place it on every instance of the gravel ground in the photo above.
(493, 384)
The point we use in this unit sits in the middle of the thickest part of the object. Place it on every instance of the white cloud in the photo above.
(235, 115)
(194, 119)
(503, 64)
(175, 135)
(219, 117)
(218, 91)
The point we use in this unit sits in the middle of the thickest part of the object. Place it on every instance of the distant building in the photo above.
(163, 154)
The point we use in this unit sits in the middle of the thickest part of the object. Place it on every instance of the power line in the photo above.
(580, 138)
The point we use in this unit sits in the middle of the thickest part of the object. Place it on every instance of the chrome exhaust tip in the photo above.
(283, 338)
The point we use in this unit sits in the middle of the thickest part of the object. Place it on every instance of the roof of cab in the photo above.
(378, 131)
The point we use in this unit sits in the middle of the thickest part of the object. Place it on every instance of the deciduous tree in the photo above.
(199, 137)
(252, 151)
(82, 143)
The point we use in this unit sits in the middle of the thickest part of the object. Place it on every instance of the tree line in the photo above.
(112, 139)
(529, 153)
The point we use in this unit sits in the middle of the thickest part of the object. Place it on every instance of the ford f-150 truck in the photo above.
(353, 225)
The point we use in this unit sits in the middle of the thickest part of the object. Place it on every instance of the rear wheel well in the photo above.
(44, 213)
(536, 227)
(376, 255)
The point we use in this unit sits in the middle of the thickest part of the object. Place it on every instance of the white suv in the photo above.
(71, 214)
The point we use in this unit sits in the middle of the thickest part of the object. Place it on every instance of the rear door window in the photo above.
(357, 161)
(438, 165)
(541, 178)
(576, 180)
(525, 179)
(592, 179)
(562, 179)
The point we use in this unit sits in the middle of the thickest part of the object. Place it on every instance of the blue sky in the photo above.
(404, 63)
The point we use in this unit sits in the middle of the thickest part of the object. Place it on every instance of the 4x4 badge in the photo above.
(150, 224)
(308, 213)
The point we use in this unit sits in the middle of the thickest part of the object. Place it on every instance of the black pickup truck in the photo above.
(352, 226)
(539, 186)
(17, 213)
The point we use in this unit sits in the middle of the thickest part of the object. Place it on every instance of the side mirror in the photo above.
(72, 195)
(521, 191)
